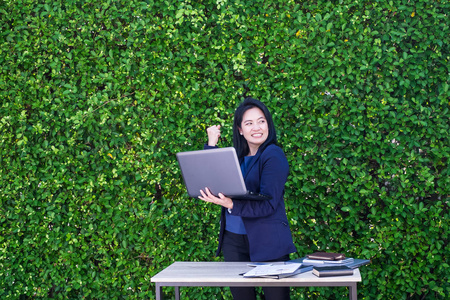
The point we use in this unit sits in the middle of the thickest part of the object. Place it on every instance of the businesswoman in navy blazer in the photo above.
(251, 230)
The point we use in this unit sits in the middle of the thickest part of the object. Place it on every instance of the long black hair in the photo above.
(239, 142)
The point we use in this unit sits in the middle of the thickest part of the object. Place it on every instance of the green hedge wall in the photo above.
(98, 96)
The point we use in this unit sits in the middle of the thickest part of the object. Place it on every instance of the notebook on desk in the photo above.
(219, 170)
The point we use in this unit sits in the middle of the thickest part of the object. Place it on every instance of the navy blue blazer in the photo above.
(265, 221)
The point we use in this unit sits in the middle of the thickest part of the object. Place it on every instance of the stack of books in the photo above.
(331, 264)
(322, 264)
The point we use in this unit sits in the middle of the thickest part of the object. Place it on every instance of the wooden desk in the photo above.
(222, 274)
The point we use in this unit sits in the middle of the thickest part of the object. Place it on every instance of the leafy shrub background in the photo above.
(98, 96)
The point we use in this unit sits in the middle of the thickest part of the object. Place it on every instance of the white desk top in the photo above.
(225, 273)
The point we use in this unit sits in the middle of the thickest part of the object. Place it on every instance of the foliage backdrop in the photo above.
(96, 97)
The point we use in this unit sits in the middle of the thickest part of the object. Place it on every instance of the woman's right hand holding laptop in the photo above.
(222, 200)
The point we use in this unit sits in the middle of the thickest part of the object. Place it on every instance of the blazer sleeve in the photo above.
(207, 147)
(272, 172)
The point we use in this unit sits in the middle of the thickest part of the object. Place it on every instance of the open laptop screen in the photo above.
(218, 169)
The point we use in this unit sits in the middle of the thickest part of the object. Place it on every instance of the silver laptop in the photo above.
(219, 170)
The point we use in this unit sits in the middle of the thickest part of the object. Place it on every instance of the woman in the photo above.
(255, 231)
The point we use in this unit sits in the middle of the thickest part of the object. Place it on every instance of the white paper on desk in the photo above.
(276, 269)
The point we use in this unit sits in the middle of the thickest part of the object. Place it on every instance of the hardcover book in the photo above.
(332, 271)
(326, 256)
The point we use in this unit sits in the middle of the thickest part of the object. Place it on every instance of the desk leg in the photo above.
(158, 291)
(353, 294)
(177, 293)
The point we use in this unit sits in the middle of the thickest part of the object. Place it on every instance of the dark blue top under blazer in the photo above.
(265, 221)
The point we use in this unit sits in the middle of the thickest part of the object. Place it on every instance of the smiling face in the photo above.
(254, 128)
